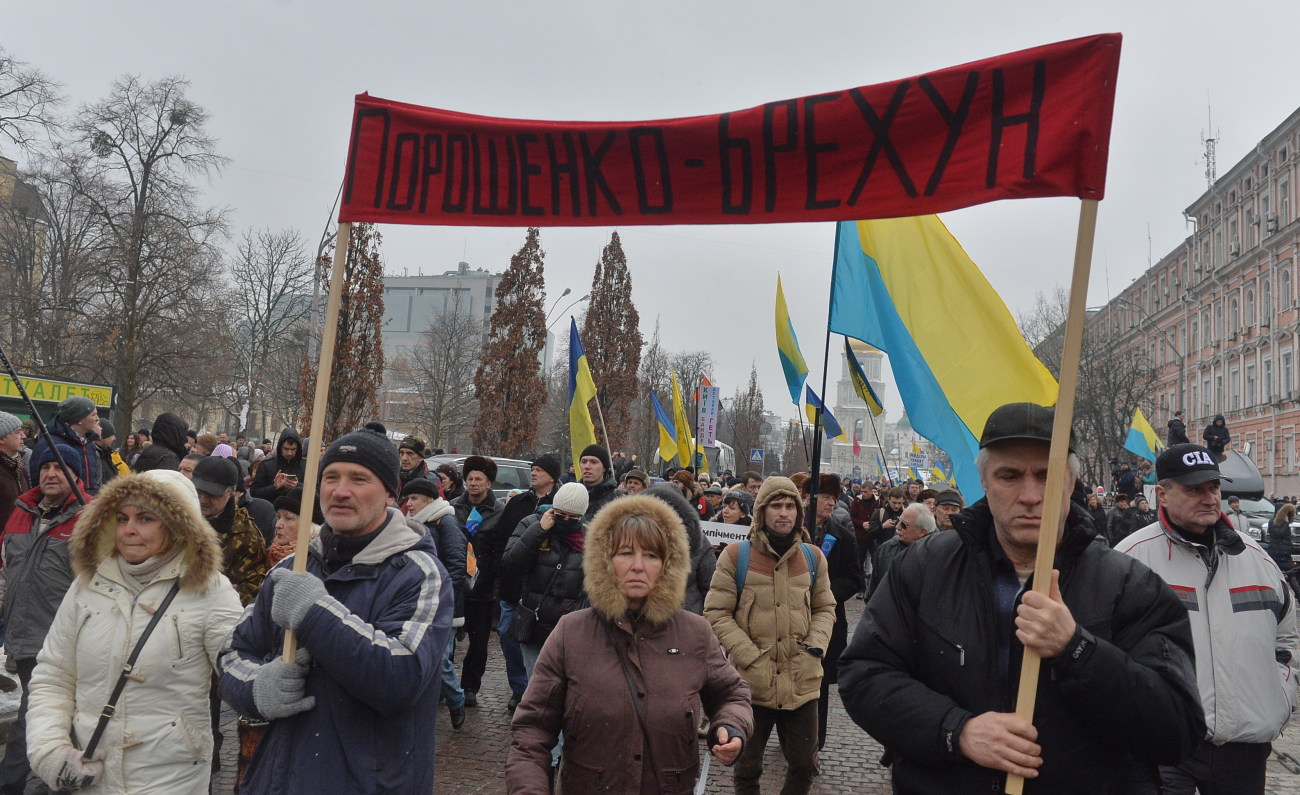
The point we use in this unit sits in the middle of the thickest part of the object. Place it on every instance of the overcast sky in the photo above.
(278, 79)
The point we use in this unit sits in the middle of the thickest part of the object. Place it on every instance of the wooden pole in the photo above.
(324, 371)
(600, 413)
(1057, 471)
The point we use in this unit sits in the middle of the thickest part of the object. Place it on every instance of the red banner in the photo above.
(1032, 123)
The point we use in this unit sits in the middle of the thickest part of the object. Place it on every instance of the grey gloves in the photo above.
(66, 771)
(280, 687)
(294, 595)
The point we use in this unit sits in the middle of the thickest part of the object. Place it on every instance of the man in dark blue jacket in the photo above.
(76, 424)
(355, 711)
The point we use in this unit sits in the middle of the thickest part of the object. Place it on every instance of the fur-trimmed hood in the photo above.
(169, 493)
(602, 588)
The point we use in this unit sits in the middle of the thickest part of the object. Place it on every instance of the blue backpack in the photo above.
(742, 564)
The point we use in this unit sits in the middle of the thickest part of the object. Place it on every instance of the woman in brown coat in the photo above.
(635, 638)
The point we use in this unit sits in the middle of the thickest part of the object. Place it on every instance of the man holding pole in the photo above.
(933, 667)
(355, 711)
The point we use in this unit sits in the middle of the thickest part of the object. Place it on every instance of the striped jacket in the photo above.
(1243, 626)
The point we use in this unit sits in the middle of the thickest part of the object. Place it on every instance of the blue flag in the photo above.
(473, 521)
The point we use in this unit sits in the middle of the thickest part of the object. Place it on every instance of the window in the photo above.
(1234, 386)
(1284, 203)
(1218, 390)
(1205, 398)
(1196, 392)
(1234, 316)
(1287, 387)
(1251, 397)
(1266, 382)
(1250, 308)
(1265, 300)
(1195, 341)
(1218, 320)
(1284, 289)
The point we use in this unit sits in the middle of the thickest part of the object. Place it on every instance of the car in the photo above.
(1247, 485)
(512, 473)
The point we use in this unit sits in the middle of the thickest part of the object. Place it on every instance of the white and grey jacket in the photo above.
(1243, 626)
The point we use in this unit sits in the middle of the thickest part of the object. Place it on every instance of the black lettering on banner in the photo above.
(742, 147)
(432, 165)
(362, 115)
(562, 168)
(770, 147)
(811, 149)
(403, 139)
(526, 172)
(456, 141)
(656, 135)
(492, 179)
(880, 129)
(591, 171)
(955, 119)
(1030, 119)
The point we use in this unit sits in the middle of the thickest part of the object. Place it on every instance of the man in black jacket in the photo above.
(1177, 430)
(933, 668)
(832, 531)
(283, 471)
(478, 510)
(168, 445)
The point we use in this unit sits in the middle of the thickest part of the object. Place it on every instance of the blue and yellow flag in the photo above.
(1142, 439)
(667, 431)
(937, 473)
(581, 389)
(685, 442)
(906, 286)
(787, 346)
(829, 424)
(861, 384)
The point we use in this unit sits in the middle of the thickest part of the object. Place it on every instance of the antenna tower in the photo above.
(1211, 166)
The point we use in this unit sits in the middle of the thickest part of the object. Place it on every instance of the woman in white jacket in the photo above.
(141, 535)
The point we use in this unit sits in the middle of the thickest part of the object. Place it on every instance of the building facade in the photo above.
(1217, 316)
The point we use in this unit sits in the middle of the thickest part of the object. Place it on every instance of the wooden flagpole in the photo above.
(1057, 471)
(324, 371)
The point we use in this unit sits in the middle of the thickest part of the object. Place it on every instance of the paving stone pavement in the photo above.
(473, 760)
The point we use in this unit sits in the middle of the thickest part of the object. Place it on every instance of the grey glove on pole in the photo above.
(280, 687)
(294, 595)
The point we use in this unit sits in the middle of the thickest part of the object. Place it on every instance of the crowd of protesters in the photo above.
(157, 577)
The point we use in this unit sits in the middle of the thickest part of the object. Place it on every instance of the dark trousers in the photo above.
(796, 730)
(823, 711)
(214, 709)
(478, 626)
(14, 769)
(1228, 769)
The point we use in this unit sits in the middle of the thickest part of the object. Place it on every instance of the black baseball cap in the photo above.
(1188, 464)
(214, 474)
(1021, 421)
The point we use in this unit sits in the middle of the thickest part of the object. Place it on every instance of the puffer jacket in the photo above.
(550, 572)
(1280, 544)
(439, 520)
(600, 495)
(1243, 624)
(779, 616)
(168, 445)
(37, 571)
(484, 537)
(377, 641)
(703, 561)
(835, 538)
(160, 739)
(517, 508)
(1216, 436)
(925, 659)
(579, 686)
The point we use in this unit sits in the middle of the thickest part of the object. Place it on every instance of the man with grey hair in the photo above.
(933, 669)
(915, 523)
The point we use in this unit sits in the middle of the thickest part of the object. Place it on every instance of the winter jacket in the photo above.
(879, 533)
(262, 514)
(482, 533)
(599, 495)
(1126, 482)
(13, 481)
(160, 739)
(243, 550)
(264, 481)
(1177, 432)
(1216, 436)
(168, 446)
(579, 687)
(1243, 625)
(377, 642)
(885, 557)
(781, 614)
(37, 571)
(550, 573)
(1280, 544)
(835, 538)
(62, 433)
(860, 511)
(925, 659)
(516, 509)
(703, 561)
(1120, 525)
(405, 476)
(439, 520)
(110, 463)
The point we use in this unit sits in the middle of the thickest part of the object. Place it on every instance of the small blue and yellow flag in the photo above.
(937, 473)
(1142, 439)
(582, 388)
(829, 424)
(685, 441)
(667, 431)
(787, 346)
(861, 384)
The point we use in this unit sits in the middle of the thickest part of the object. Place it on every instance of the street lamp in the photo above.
(566, 309)
(567, 290)
(1165, 337)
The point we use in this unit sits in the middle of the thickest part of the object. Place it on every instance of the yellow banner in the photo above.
(49, 391)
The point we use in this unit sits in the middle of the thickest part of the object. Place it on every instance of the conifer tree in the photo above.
(611, 338)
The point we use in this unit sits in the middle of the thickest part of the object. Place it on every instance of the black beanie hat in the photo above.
(412, 443)
(478, 463)
(291, 501)
(599, 452)
(75, 409)
(422, 486)
(548, 464)
(370, 450)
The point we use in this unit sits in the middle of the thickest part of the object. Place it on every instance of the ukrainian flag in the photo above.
(787, 346)
(906, 286)
(667, 432)
(829, 424)
(581, 390)
(685, 443)
(861, 384)
(937, 473)
(1142, 439)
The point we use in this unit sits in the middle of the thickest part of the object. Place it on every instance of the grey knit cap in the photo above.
(9, 423)
(75, 409)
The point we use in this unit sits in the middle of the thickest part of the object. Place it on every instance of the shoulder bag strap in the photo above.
(636, 701)
(111, 706)
(742, 567)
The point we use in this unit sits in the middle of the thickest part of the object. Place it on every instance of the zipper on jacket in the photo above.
(176, 624)
(961, 650)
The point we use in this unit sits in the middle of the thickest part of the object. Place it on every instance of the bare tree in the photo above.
(28, 101)
(744, 416)
(691, 367)
(439, 375)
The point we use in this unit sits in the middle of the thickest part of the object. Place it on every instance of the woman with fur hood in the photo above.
(634, 637)
(703, 561)
(141, 537)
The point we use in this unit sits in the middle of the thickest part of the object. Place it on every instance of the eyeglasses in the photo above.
(902, 525)
(566, 514)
